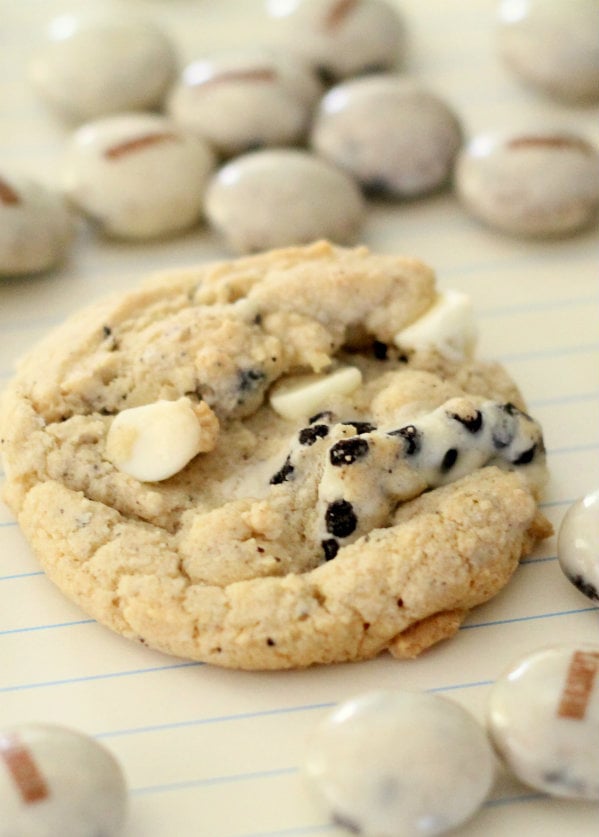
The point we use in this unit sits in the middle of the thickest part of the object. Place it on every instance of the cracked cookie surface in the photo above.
(375, 524)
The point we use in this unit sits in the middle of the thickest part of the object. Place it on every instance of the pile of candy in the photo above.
(253, 140)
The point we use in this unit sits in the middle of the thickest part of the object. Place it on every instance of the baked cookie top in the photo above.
(287, 459)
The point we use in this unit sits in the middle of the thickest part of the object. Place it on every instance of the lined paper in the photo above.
(218, 753)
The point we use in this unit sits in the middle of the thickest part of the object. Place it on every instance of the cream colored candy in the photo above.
(543, 717)
(396, 137)
(553, 45)
(578, 545)
(301, 395)
(530, 184)
(36, 226)
(447, 326)
(56, 781)
(137, 175)
(156, 441)
(96, 64)
(400, 764)
(340, 38)
(242, 100)
(280, 197)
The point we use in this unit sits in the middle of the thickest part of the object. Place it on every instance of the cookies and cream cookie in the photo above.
(242, 463)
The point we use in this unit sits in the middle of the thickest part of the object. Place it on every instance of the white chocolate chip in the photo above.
(300, 396)
(153, 442)
(447, 326)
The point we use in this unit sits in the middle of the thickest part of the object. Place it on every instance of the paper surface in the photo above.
(217, 753)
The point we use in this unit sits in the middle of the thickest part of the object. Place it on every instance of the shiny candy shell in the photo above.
(36, 226)
(393, 135)
(543, 717)
(137, 175)
(340, 38)
(238, 100)
(56, 781)
(104, 62)
(280, 197)
(578, 545)
(400, 764)
(530, 183)
(553, 45)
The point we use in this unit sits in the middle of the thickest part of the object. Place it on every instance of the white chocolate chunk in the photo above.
(302, 395)
(447, 326)
(153, 442)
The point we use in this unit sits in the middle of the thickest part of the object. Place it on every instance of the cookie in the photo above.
(394, 489)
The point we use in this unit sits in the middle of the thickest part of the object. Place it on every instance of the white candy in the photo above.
(36, 226)
(281, 197)
(340, 38)
(137, 175)
(389, 132)
(543, 717)
(539, 184)
(56, 782)
(447, 326)
(578, 545)
(400, 764)
(239, 101)
(302, 395)
(99, 64)
(553, 45)
(156, 441)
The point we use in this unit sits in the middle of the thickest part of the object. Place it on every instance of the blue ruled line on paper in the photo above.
(217, 719)
(216, 780)
(16, 576)
(530, 618)
(48, 627)
(261, 713)
(68, 681)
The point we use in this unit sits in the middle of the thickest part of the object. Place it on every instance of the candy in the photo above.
(156, 441)
(543, 717)
(541, 184)
(578, 545)
(281, 197)
(36, 226)
(298, 396)
(94, 65)
(552, 45)
(340, 38)
(400, 764)
(392, 134)
(239, 101)
(137, 175)
(56, 781)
